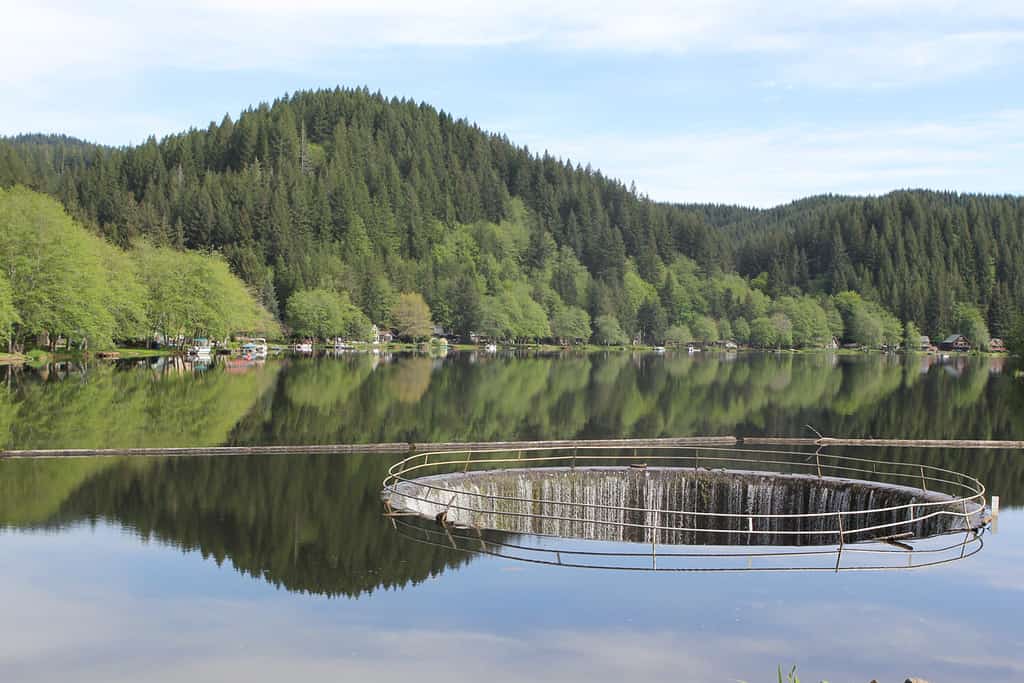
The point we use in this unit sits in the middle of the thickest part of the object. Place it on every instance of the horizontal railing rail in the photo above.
(948, 493)
(881, 558)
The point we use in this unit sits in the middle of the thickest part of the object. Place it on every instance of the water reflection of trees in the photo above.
(305, 523)
(358, 399)
(103, 406)
(619, 395)
(362, 398)
(99, 406)
(314, 524)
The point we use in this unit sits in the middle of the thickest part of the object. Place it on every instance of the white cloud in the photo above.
(849, 43)
(770, 166)
(72, 66)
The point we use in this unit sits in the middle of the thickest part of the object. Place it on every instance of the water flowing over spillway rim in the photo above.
(434, 479)
(441, 481)
(444, 497)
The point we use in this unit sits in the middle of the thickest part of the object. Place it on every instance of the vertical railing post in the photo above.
(839, 555)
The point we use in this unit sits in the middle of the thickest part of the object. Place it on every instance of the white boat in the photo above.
(692, 349)
(491, 348)
(659, 349)
(303, 347)
(201, 349)
(255, 349)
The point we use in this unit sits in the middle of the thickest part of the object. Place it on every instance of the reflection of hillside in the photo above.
(531, 397)
(622, 395)
(31, 492)
(105, 407)
(865, 382)
(357, 399)
(306, 523)
(324, 383)
(411, 378)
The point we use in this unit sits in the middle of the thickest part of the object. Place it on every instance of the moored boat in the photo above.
(201, 349)
(259, 350)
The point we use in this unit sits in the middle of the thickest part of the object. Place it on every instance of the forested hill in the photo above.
(351, 192)
(917, 252)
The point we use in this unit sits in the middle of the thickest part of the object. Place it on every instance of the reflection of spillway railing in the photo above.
(694, 496)
(857, 557)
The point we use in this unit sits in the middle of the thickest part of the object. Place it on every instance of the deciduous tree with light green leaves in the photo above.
(866, 323)
(411, 316)
(321, 313)
(783, 329)
(762, 332)
(195, 295)
(608, 332)
(55, 270)
(494, 320)
(571, 324)
(678, 335)
(911, 337)
(126, 295)
(8, 314)
(529, 321)
(704, 329)
(725, 330)
(741, 330)
(810, 326)
(970, 323)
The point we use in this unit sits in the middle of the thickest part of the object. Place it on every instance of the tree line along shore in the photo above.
(327, 212)
(62, 285)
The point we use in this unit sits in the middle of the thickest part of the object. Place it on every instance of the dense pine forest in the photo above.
(348, 200)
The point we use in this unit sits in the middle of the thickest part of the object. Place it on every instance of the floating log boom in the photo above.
(401, 447)
(892, 443)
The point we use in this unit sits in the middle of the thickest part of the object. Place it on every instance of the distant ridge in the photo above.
(350, 190)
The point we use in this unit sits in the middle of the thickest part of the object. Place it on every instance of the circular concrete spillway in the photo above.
(682, 506)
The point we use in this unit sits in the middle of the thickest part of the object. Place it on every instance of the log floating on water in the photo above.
(394, 447)
(681, 442)
(423, 447)
(897, 443)
(315, 449)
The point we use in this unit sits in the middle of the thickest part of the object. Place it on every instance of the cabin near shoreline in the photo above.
(955, 342)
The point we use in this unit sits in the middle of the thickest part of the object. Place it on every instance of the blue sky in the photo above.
(739, 102)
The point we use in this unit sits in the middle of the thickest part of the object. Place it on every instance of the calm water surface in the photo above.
(282, 567)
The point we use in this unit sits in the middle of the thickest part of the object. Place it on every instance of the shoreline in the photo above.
(42, 357)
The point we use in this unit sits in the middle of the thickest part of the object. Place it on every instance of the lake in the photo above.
(283, 567)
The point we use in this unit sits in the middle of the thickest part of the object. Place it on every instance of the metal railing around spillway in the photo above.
(408, 490)
(670, 559)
